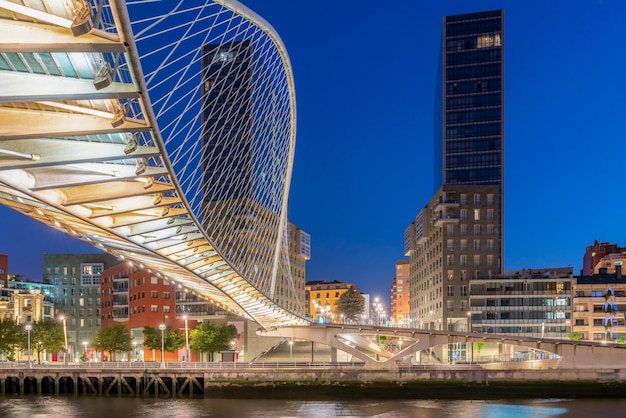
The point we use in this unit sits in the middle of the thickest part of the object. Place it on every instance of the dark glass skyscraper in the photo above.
(458, 236)
(469, 127)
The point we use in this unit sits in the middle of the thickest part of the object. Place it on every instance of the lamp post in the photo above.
(65, 338)
(291, 348)
(187, 339)
(84, 349)
(162, 328)
(469, 321)
(28, 328)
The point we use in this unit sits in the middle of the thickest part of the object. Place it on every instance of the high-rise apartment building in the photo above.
(400, 294)
(591, 295)
(76, 280)
(457, 236)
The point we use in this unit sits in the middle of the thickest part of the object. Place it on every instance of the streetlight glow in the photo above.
(65, 338)
(186, 339)
(162, 328)
(28, 329)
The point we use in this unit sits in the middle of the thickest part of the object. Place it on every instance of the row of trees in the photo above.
(205, 338)
(47, 335)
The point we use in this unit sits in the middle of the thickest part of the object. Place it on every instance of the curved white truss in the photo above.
(162, 132)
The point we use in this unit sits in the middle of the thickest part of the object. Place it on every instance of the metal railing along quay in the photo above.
(125, 365)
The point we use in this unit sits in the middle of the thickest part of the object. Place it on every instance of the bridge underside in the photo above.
(380, 347)
(84, 150)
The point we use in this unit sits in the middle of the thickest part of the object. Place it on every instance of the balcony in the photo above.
(441, 204)
(446, 219)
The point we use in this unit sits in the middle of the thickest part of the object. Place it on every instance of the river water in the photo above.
(66, 407)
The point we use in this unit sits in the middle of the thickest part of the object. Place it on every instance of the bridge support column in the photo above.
(333, 355)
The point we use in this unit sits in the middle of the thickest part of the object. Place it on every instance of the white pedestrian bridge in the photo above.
(161, 132)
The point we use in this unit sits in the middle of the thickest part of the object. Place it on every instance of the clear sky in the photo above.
(365, 75)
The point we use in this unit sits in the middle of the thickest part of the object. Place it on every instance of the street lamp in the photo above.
(186, 338)
(28, 328)
(162, 328)
(469, 321)
(65, 338)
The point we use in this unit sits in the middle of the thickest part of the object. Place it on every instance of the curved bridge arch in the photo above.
(163, 133)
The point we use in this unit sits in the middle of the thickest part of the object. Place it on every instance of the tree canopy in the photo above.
(351, 304)
(10, 336)
(112, 339)
(173, 339)
(208, 338)
(46, 335)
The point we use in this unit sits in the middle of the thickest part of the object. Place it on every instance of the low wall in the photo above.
(312, 382)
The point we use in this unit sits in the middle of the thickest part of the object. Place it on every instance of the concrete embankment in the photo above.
(314, 383)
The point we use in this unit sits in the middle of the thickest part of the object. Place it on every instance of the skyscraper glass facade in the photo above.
(470, 108)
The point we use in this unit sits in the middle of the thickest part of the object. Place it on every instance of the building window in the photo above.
(490, 199)
(450, 290)
(477, 214)
(463, 244)
(166, 295)
(166, 309)
(477, 199)
(463, 199)
(477, 259)
(154, 308)
(476, 229)
(463, 259)
(596, 294)
(450, 245)
(450, 229)
(154, 280)
(154, 294)
(450, 305)
(463, 274)
(463, 290)
(476, 245)
(490, 259)
(463, 229)
(463, 214)
(490, 229)
(450, 274)
(490, 215)
(490, 244)
(450, 260)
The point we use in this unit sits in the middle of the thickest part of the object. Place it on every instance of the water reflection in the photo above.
(60, 407)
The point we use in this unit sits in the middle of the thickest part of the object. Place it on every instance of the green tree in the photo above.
(208, 338)
(351, 304)
(10, 337)
(46, 335)
(574, 336)
(111, 340)
(173, 339)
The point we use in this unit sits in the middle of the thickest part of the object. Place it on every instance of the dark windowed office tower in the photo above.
(237, 213)
(457, 236)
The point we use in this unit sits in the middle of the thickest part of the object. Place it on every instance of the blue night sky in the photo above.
(365, 75)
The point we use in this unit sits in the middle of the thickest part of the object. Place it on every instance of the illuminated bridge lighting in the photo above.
(163, 132)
